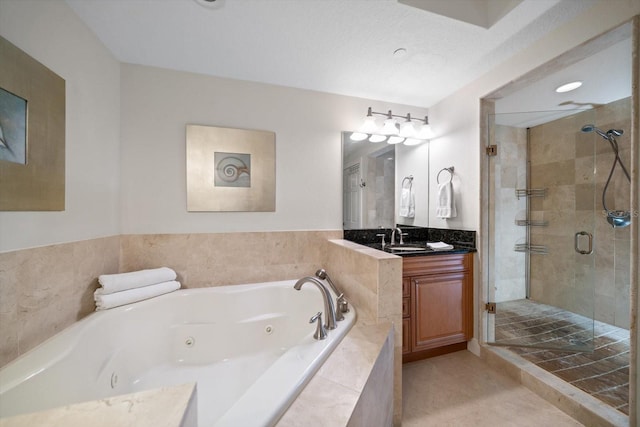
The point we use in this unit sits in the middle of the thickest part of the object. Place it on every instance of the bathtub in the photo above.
(249, 348)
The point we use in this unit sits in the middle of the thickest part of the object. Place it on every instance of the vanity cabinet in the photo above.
(437, 304)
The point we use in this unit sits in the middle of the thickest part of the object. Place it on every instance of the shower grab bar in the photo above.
(576, 242)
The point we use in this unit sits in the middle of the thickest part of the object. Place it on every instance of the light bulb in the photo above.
(369, 125)
(358, 136)
(413, 141)
(407, 129)
(377, 138)
(389, 127)
(425, 132)
(395, 140)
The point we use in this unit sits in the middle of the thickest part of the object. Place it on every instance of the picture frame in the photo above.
(35, 179)
(230, 170)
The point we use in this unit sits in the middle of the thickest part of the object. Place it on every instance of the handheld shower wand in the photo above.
(341, 301)
(616, 218)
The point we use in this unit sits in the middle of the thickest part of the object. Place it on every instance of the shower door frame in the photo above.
(487, 107)
(547, 244)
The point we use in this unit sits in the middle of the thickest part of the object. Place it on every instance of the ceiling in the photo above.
(605, 77)
(337, 46)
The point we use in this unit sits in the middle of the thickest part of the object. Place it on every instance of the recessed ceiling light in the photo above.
(567, 87)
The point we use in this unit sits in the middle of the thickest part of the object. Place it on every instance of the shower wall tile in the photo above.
(507, 266)
(46, 289)
(562, 159)
(586, 199)
(555, 173)
(552, 145)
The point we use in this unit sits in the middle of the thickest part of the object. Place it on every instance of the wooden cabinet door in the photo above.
(406, 336)
(440, 310)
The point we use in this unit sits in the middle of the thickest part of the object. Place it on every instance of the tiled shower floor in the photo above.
(603, 372)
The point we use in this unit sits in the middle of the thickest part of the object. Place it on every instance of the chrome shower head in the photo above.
(593, 128)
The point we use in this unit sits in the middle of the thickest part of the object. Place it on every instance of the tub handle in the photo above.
(321, 332)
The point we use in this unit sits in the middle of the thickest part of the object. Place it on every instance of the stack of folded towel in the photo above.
(439, 246)
(126, 288)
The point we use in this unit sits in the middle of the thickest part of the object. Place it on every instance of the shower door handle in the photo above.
(577, 241)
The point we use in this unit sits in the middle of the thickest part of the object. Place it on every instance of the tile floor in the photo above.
(603, 371)
(460, 389)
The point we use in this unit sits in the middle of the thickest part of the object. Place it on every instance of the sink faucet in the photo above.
(341, 302)
(329, 310)
(393, 236)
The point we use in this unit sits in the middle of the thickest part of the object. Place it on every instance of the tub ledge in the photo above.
(353, 387)
(166, 407)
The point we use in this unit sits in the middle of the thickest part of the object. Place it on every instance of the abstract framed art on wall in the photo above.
(230, 169)
(32, 128)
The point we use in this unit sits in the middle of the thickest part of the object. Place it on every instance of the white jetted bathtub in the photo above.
(250, 348)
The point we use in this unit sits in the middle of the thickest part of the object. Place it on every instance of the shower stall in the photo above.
(559, 245)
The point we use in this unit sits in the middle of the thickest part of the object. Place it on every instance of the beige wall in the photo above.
(52, 34)
(156, 106)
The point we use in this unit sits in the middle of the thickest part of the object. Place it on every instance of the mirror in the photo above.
(372, 182)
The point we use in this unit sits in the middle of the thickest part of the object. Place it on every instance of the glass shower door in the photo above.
(542, 212)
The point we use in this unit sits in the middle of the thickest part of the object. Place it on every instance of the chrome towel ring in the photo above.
(449, 169)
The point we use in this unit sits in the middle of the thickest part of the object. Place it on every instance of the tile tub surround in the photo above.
(368, 277)
(216, 259)
(353, 387)
(372, 281)
(165, 407)
(46, 289)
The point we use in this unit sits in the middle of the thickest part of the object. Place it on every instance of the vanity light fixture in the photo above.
(406, 132)
(568, 87)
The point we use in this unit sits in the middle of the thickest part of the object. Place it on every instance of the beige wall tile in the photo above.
(46, 289)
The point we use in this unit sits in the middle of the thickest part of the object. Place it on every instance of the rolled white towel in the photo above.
(106, 301)
(136, 279)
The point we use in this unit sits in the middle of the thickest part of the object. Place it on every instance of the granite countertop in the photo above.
(457, 249)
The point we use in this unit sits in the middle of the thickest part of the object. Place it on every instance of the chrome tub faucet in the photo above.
(329, 310)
